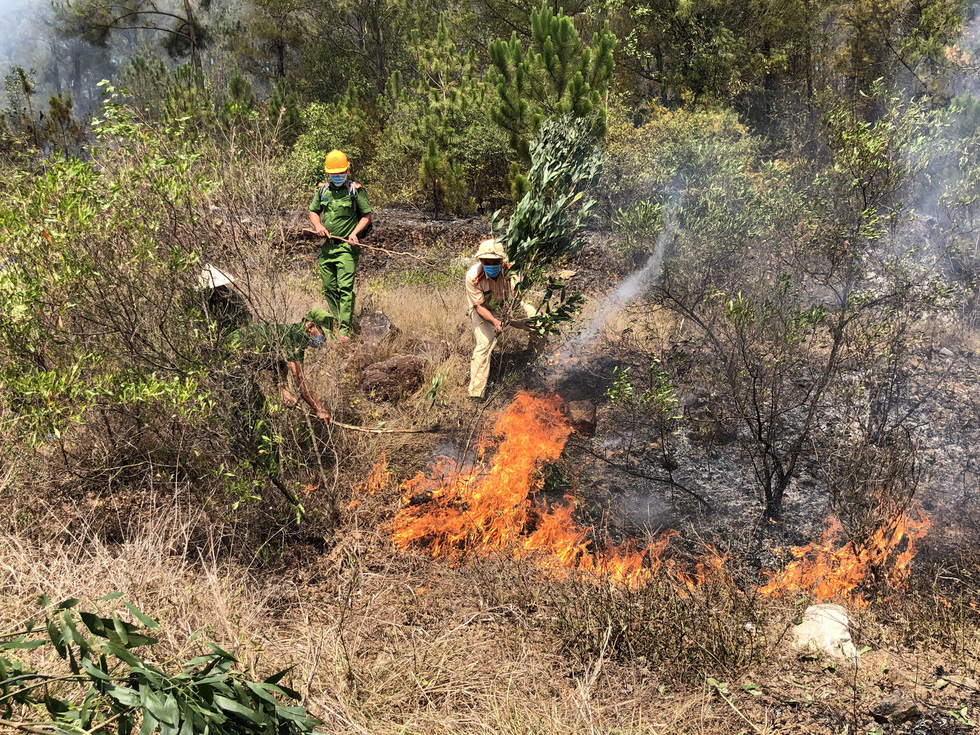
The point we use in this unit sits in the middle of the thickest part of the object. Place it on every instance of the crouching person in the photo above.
(491, 298)
(281, 348)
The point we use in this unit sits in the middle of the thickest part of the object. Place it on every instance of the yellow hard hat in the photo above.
(336, 162)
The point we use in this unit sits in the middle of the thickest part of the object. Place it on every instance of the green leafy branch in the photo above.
(110, 687)
(547, 222)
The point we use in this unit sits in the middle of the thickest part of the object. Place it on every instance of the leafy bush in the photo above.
(343, 124)
(109, 683)
(672, 151)
(638, 225)
(106, 349)
(796, 280)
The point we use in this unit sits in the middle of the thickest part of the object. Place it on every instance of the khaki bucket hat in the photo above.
(211, 277)
(491, 249)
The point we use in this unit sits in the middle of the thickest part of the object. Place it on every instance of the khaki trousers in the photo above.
(485, 339)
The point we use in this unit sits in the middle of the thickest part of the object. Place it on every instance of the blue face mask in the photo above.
(317, 341)
(492, 271)
(338, 179)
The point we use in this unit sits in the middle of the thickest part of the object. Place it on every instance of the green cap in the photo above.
(320, 317)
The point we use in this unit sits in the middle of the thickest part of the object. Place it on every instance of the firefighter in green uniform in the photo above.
(225, 307)
(280, 347)
(339, 211)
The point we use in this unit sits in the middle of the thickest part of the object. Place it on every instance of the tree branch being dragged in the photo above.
(546, 226)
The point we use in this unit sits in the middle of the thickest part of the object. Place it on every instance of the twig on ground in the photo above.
(428, 429)
(718, 688)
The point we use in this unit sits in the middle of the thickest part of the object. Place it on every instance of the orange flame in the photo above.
(489, 507)
(454, 512)
(832, 569)
(484, 508)
(377, 480)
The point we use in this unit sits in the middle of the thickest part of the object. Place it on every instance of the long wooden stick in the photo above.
(380, 250)
(366, 430)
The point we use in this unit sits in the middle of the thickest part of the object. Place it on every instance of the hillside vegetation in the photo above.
(751, 229)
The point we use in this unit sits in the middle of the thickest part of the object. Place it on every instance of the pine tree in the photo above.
(237, 104)
(556, 75)
(284, 113)
(187, 98)
(61, 127)
(147, 80)
(95, 21)
(20, 88)
(445, 100)
(432, 173)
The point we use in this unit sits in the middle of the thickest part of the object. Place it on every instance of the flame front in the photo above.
(834, 569)
(455, 512)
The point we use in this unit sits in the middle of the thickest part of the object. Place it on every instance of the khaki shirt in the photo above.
(493, 293)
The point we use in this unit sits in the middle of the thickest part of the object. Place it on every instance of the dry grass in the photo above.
(386, 642)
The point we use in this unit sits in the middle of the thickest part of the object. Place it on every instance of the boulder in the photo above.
(581, 415)
(825, 630)
(896, 708)
(392, 378)
(375, 328)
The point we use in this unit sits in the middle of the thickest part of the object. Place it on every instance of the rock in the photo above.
(581, 415)
(433, 350)
(392, 378)
(375, 328)
(946, 352)
(825, 630)
(896, 708)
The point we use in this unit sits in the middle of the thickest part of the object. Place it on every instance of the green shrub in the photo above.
(343, 124)
(106, 350)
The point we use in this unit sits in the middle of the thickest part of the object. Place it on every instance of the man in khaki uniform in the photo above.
(490, 296)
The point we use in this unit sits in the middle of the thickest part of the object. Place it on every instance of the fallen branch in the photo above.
(431, 428)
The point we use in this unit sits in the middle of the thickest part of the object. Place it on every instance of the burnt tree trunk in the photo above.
(76, 67)
(192, 37)
(55, 71)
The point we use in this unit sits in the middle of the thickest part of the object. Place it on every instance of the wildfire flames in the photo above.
(377, 480)
(832, 568)
(490, 506)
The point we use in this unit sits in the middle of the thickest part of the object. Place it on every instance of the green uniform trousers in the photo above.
(337, 264)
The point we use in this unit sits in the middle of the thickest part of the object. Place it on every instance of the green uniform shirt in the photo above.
(275, 341)
(336, 209)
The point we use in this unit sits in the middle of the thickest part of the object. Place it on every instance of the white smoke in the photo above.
(636, 284)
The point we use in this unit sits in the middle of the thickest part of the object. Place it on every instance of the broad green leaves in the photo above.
(546, 225)
(112, 681)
